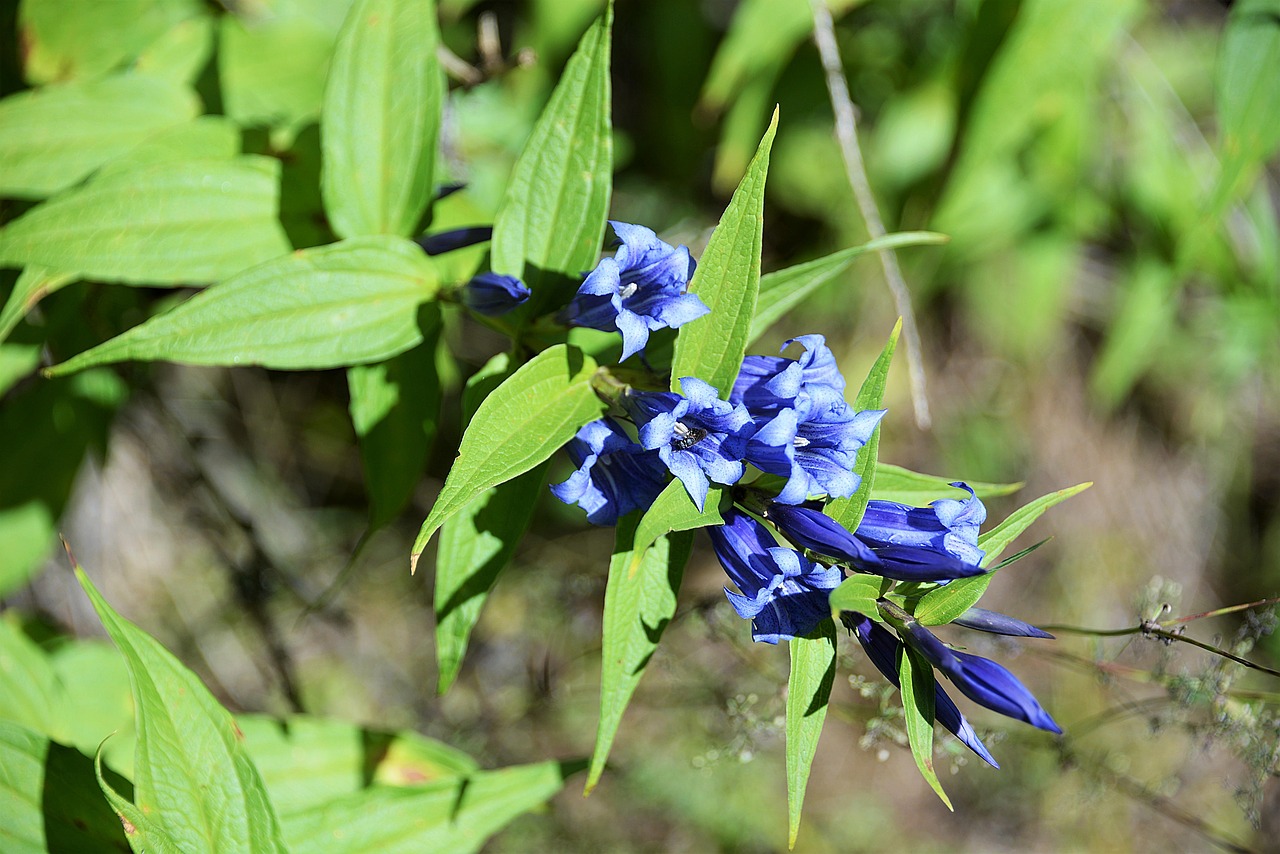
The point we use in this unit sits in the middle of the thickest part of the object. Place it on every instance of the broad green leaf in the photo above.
(74, 40)
(858, 593)
(381, 117)
(915, 681)
(51, 800)
(345, 304)
(998, 538)
(52, 138)
(894, 483)
(193, 780)
(813, 672)
(202, 138)
(476, 545)
(728, 281)
(783, 290)
(168, 224)
(30, 693)
(639, 602)
(34, 284)
(674, 510)
(449, 815)
(395, 406)
(848, 511)
(1248, 92)
(523, 422)
(96, 701)
(181, 54)
(551, 223)
(272, 63)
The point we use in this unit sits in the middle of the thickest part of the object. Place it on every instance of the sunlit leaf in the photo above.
(813, 672)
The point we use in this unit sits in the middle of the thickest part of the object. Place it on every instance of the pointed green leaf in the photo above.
(344, 304)
(381, 118)
(848, 511)
(674, 510)
(728, 281)
(783, 290)
(167, 224)
(51, 800)
(456, 816)
(894, 483)
(34, 284)
(637, 608)
(523, 422)
(551, 223)
(395, 406)
(813, 672)
(193, 780)
(476, 545)
(998, 538)
(858, 593)
(915, 680)
(52, 138)
(1248, 93)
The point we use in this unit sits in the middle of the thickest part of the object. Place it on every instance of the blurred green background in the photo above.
(1108, 309)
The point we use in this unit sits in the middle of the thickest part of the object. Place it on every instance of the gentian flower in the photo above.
(455, 238)
(810, 528)
(641, 288)
(769, 383)
(614, 476)
(492, 294)
(946, 526)
(883, 648)
(995, 623)
(783, 593)
(980, 679)
(699, 437)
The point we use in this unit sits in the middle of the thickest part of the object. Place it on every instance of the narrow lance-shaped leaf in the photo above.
(813, 672)
(523, 422)
(551, 223)
(783, 290)
(193, 781)
(1248, 94)
(637, 608)
(848, 511)
(894, 483)
(674, 510)
(381, 117)
(728, 281)
(344, 304)
(915, 681)
(172, 223)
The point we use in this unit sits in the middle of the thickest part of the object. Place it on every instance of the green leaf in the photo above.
(639, 602)
(193, 781)
(395, 406)
(181, 54)
(96, 702)
(167, 224)
(915, 679)
(858, 593)
(381, 118)
(16, 361)
(523, 422)
(728, 281)
(52, 138)
(449, 815)
(202, 138)
(34, 284)
(674, 510)
(813, 672)
(345, 304)
(1248, 92)
(30, 693)
(894, 483)
(51, 800)
(551, 223)
(998, 538)
(848, 511)
(475, 547)
(783, 290)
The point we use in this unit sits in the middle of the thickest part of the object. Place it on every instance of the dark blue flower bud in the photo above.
(492, 294)
(998, 624)
(455, 238)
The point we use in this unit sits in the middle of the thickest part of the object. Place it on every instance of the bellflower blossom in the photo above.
(699, 437)
(783, 593)
(492, 294)
(614, 476)
(946, 526)
(883, 648)
(980, 679)
(640, 289)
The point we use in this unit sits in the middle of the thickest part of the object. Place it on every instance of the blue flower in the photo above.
(699, 437)
(614, 476)
(883, 648)
(810, 528)
(783, 593)
(492, 294)
(769, 383)
(641, 288)
(946, 526)
(455, 238)
(981, 679)
(995, 623)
